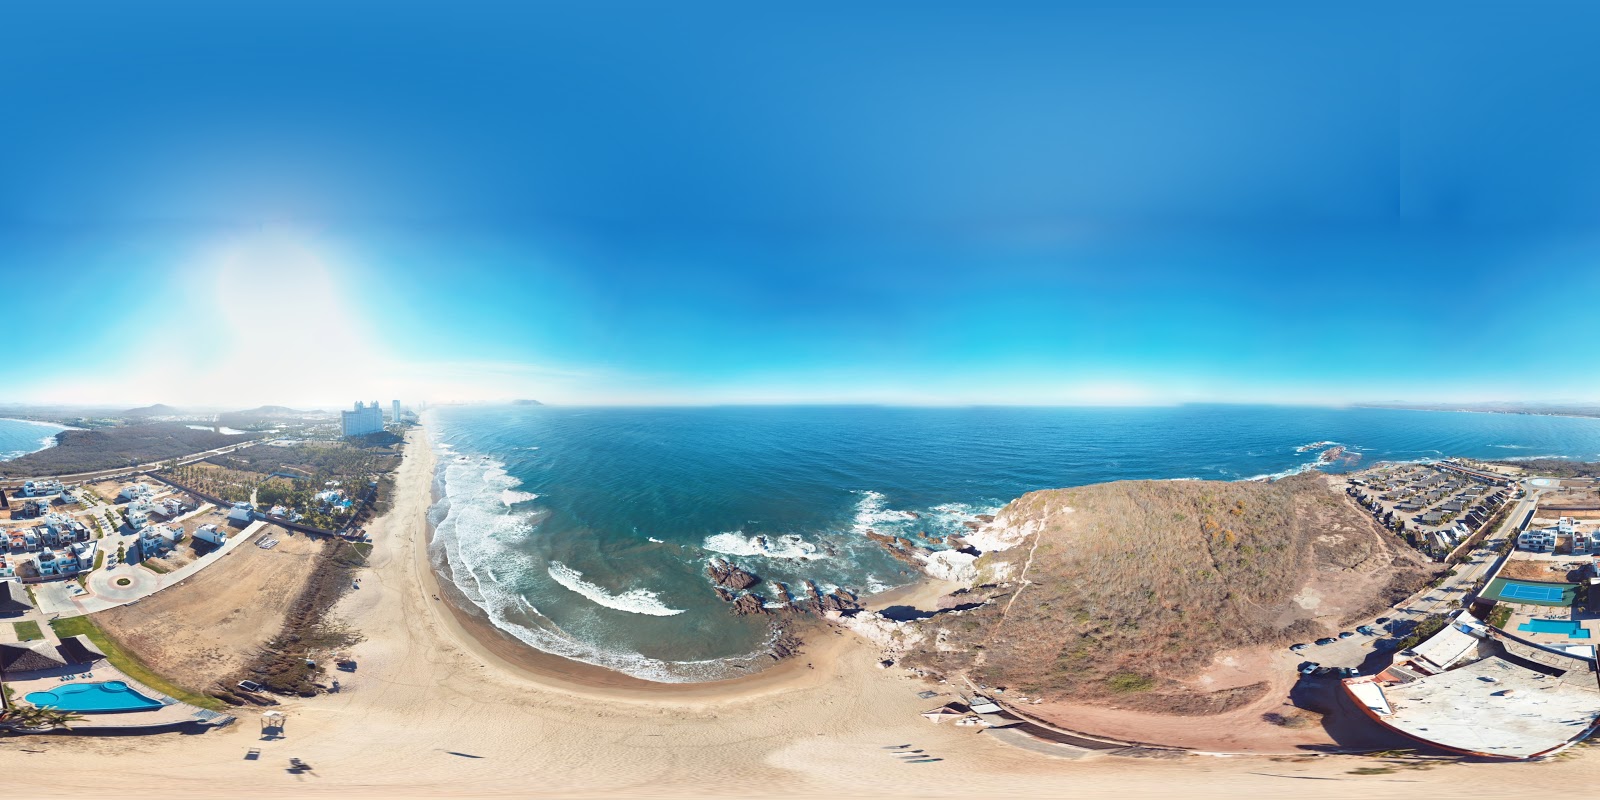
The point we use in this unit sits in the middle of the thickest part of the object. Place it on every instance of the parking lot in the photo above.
(1362, 652)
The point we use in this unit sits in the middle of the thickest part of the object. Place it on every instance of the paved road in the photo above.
(123, 472)
(1358, 651)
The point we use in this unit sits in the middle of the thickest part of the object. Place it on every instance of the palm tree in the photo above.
(19, 717)
(56, 718)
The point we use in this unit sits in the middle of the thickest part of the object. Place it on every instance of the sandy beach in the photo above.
(443, 706)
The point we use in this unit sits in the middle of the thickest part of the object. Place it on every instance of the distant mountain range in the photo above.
(157, 410)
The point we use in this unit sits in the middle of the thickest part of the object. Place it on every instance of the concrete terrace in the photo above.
(1474, 690)
(1494, 707)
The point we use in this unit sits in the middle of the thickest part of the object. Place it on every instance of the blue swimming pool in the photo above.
(100, 697)
(1573, 630)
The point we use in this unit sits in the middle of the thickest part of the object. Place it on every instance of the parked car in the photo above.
(1326, 640)
(1348, 672)
(1366, 630)
(1297, 647)
(1381, 621)
(1345, 634)
(1309, 667)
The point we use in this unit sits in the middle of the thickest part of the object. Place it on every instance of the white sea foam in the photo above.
(654, 539)
(870, 511)
(511, 497)
(1306, 448)
(735, 543)
(634, 601)
(475, 532)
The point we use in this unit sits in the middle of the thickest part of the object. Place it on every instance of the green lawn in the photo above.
(130, 664)
(28, 630)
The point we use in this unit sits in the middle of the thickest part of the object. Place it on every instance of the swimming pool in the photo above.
(1573, 630)
(105, 696)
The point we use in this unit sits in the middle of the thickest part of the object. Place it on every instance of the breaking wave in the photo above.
(786, 546)
(870, 511)
(633, 601)
(511, 497)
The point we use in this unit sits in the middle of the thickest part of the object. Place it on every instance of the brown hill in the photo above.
(1126, 590)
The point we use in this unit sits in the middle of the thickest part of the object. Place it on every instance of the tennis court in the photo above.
(1538, 594)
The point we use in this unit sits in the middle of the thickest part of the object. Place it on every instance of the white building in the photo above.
(396, 419)
(1545, 540)
(210, 533)
(363, 420)
(241, 512)
(135, 491)
(157, 539)
(40, 488)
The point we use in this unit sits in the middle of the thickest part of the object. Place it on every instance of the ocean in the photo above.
(586, 532)
(20, 437)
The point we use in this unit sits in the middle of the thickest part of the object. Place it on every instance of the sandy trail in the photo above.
(433, 712)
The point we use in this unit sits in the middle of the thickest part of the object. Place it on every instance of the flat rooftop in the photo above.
(1494, 706)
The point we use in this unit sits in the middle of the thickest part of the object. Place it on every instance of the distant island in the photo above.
(526, 402)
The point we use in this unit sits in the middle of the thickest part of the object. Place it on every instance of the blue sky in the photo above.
(892, 202)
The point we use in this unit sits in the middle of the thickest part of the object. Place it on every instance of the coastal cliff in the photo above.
(1128, 590)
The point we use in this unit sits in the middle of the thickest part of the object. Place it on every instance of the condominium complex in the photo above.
(363, 420)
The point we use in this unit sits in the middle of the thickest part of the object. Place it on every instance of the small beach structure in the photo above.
(29, 657)
(79, 650)
(943, 713)
(14, 598)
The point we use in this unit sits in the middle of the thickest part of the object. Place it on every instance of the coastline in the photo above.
(431, 712)
(474, 632)
(49, 441)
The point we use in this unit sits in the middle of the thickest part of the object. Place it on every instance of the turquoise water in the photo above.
(586, 531)
(105, 696)
(19, 437)
(1573, 630)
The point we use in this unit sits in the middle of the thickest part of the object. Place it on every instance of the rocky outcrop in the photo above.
(900, 547)
(951, 565)
(749, 605)
(892, 637)
(726, 574)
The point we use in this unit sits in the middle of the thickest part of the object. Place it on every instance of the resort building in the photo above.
(40, 488)
(1564, 532)
(1475, 690)
(363, 420)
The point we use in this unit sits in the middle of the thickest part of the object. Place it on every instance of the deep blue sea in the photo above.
(19, 437)
(586, 531)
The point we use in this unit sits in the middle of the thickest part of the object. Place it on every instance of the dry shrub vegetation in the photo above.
(1145, 582)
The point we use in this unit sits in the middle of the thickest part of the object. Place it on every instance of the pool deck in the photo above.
(171, 714)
